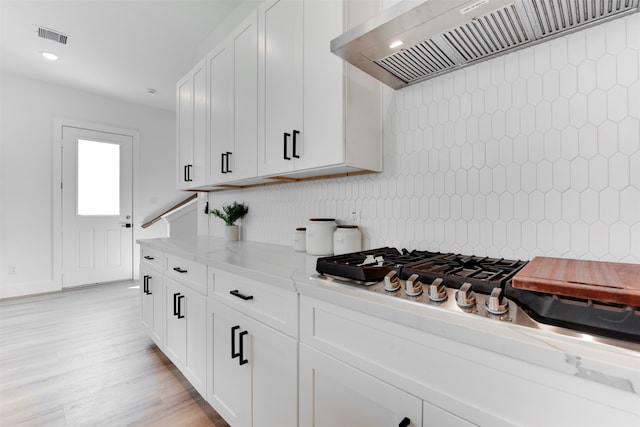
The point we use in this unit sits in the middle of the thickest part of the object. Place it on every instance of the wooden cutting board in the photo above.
(595, 280)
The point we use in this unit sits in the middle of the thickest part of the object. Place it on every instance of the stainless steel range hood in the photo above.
(439, 36)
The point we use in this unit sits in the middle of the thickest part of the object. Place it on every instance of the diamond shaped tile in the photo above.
(608, 138)
(630, 205)
(560, 112)
(506, 206)
(587, 80)
(589, 208)
(568, 81)
(627, 66)
(571, 206)
(617, 103)
(597, 106)
(552, 145)
(561, 237)
(578, 110)
(545, 175)
(579, 238)
(619, 240)
(521, 206)
(598, 173)
(606, 71)
(513, 178)
(595, 43)
(609, 205)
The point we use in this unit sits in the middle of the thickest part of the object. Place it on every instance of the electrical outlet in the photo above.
(355, 217)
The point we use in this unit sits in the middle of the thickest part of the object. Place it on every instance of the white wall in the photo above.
(28, 109)
(532, 153)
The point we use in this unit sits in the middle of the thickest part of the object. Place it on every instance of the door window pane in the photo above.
(98, 178)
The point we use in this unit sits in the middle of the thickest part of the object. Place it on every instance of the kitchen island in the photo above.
(360, 356)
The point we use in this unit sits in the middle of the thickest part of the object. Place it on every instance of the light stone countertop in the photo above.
(281, 266)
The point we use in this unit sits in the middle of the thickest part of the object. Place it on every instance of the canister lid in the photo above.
(347, 226)
(322, 219)
(301, 228)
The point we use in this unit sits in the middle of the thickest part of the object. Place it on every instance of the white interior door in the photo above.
(97, 198)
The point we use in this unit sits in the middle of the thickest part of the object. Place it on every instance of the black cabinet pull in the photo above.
(185, 173)
(243, 361)
(295, 151)
(150, 258)
(233, 342)
(175, 303)
(180, 270)
(405, 422)
(236, 293)
(146, 285)
(222, 156)
(286, 136)
(227, 160)
(180, 315)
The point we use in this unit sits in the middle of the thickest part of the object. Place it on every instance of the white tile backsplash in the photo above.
(532, 153)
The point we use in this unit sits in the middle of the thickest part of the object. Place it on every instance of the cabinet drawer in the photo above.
(269, 304)
(150, 256)
(187, 272)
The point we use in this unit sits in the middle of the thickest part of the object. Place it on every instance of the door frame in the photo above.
(56, 189)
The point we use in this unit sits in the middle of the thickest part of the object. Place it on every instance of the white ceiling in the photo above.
(116, 48)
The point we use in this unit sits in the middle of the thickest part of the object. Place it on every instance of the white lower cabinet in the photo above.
(253, 370)
(333, 393)
(152, 302)
(185, 345)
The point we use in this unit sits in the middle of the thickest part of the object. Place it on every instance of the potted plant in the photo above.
(230, 214)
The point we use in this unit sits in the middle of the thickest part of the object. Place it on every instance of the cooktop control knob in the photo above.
(437, 290)
(496, 304)
(465, 297)
(413, 286)
(391, 281)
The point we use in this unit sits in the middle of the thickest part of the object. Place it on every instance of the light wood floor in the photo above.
(82, 358)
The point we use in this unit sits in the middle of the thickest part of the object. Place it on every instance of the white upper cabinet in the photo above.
(233, 111)
(191, 111)
(317, 116)
(272, 101)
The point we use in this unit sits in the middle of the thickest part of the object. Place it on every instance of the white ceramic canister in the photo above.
(347, 239)
(300, 239)
(320, 236)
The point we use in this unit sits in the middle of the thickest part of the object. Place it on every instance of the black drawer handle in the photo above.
(179, 270)
(180, 315)
(222, 156)
(406, 422)
(146, 285)
(150, 258)
(227, 161)
(295, 149)
(175, 303)
(243, 361)
(236, 293)
(286, 136)
(233, 342)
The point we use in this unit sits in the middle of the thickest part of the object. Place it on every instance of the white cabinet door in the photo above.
(230, 393)
(280, 71)
(243, 160)
(146, 297)
(233, 98)
(185, 344)
(220, 69)
(152, 303)
(193, 308)
(333, 393)
(192, 127)
(323, 142)
(176, 328)
(255, 381)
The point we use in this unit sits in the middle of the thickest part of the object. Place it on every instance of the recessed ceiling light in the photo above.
(396, 44)
(151, 90)
(50, 56)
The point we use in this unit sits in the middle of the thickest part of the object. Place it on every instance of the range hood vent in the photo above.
(439, 36)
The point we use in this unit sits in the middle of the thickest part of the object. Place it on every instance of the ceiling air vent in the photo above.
(50, 34)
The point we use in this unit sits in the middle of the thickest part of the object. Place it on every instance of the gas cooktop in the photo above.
(478, 286)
